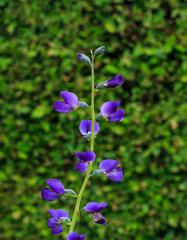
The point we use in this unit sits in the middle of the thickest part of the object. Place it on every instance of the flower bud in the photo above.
(100, 86)
(83, 105)
(99, 50)
(83, 58)
(64, 220)
(115, 82)
(70, 193)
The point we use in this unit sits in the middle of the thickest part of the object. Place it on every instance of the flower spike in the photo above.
(110, 168)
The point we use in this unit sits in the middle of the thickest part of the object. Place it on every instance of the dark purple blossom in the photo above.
(94, 208)
(70, 102)
(58, 217)
(84, 158)
(81, 167)
(111, 111)
(55, 190)
(83, 58)
(116, 81)
(75, 236)
(85, 128)
(87, 156)
(110, 168)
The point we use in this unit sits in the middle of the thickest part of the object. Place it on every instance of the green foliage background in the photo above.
(146, 41)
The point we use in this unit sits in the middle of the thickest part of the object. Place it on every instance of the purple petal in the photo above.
(69, 98)
(96, 127)
(92, 207)
(60, 106)
(116, 116)
(53, 213)
(88, 156)
(56, 185)
(79, 56)
(48, 195)
(62, 213)
(99, 218)
(51, 223)
(75, 236)
(86, 126)
(117, 81)
(59, 213)
(109, 107)
(81, 167)
(58, 229)
(116, 175)
(108, 165)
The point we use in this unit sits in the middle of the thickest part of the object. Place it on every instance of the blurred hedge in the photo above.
(146, 42)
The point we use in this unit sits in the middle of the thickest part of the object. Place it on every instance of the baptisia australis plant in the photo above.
(59, 219)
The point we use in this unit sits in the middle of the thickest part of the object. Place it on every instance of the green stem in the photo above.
(81, 192)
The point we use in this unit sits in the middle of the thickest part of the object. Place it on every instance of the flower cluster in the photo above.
(89, 128)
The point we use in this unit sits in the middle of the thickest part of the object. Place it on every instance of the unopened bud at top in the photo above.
(99, 50)
(83, 58)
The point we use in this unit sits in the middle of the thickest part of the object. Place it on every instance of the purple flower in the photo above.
(55, 190)
(116, 81)
(87, 156)
(109, 167)
(94, 208)
(83, 58)
(85, 128)
(111, 112)
(70, 102)
(75, 236)
(84, 158)
(81, 167)
(57, 218)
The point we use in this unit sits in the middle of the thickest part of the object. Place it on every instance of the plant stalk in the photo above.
(81, 192)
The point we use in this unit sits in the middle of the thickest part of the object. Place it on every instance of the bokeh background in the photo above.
(146, 41)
